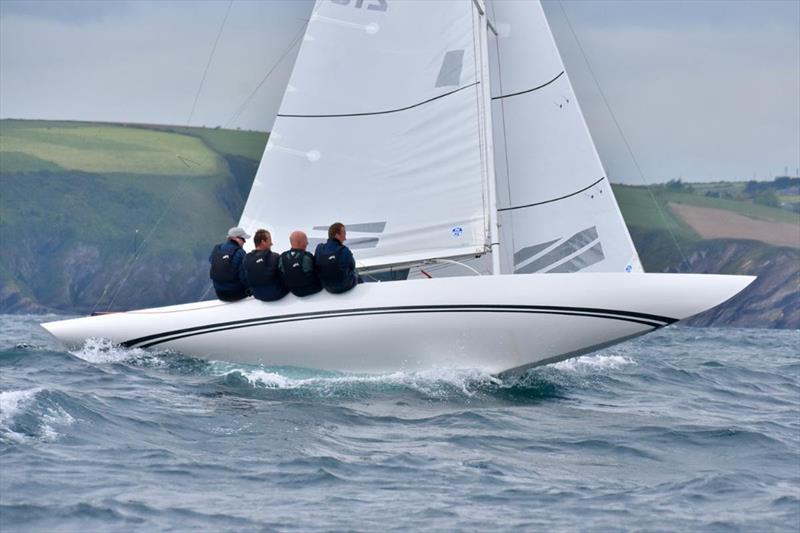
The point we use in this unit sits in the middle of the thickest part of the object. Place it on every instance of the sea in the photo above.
(686, 429)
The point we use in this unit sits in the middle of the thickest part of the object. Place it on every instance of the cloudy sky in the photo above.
(702, 89)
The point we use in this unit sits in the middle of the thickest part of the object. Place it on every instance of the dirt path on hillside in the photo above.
(720, 224)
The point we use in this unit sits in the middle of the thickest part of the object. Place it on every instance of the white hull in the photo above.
(491, 323)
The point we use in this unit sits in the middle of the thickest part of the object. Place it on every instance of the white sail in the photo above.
(379, 128)
(557, 211)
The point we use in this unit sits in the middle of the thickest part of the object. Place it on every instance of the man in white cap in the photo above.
(227, 266)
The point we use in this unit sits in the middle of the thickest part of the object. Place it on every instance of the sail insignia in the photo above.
(575, 253)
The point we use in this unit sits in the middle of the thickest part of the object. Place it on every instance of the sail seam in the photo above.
(528, 90)
(385, 112)
(553, 199)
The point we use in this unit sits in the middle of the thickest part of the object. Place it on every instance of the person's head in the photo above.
(337, 231)
(262, 240)
(298, 240)
(238, 234)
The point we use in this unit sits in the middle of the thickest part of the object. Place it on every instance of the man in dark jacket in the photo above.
(227, 266)
(261, 269)
(297, 267)
(335, 263)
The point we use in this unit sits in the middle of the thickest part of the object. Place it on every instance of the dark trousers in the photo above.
(348, 284)
(232, 296)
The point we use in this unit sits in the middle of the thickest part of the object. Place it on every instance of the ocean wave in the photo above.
(31, 414)
(436, 384)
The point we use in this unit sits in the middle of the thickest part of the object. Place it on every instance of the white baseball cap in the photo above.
(238, 232)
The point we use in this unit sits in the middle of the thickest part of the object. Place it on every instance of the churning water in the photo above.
(686, 429)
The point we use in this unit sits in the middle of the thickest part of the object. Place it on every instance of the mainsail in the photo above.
(557, 212)
(380, 128)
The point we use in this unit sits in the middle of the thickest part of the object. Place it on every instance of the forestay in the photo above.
(557, 211)
(379, 128)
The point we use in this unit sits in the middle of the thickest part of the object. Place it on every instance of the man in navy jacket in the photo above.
(227, 266)
(335, 263)
(261, 268)
(297, 267)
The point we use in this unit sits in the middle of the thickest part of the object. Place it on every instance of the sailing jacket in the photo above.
(336, 266)
(263, 278)
(297, 272)
(227, 267)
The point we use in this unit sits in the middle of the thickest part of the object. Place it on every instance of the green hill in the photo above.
(88, 197)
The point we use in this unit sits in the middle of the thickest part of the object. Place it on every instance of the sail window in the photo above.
(450, 72)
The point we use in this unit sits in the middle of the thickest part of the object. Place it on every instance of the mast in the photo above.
(486, 108)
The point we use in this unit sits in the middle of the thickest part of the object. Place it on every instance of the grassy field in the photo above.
(29, 146)
(638, 206)
(650, 212)
(748, 209)
(247, 144)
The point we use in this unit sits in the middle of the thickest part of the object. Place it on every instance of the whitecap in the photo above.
(589, 363)
(439, 382)
(12, 402)
(47, 415)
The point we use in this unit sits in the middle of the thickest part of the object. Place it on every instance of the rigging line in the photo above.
(624, 138)
(208, 63)
(387, 111)
(542, 86)
(131, 262)
(252, 95)
(205, 293)
(128, 268)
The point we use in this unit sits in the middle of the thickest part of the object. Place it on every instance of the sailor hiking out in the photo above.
(261, 269)
(227, 266)
(297, 267)
(335, 263)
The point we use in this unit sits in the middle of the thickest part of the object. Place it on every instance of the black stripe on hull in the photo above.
(646, 319)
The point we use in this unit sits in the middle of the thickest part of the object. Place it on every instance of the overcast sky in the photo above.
(703, 90)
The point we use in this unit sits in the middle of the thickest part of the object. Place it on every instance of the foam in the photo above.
(591, 363)
(102, 351)
(434, 382)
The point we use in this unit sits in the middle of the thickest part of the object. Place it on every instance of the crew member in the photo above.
(227, 272)
(261, 269)
(335, 263)
(297, 267)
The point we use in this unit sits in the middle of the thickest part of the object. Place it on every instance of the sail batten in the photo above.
(385, 111)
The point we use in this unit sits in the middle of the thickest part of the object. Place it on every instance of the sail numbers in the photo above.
(373, 5)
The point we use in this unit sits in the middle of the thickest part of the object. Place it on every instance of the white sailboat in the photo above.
(437, 130)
